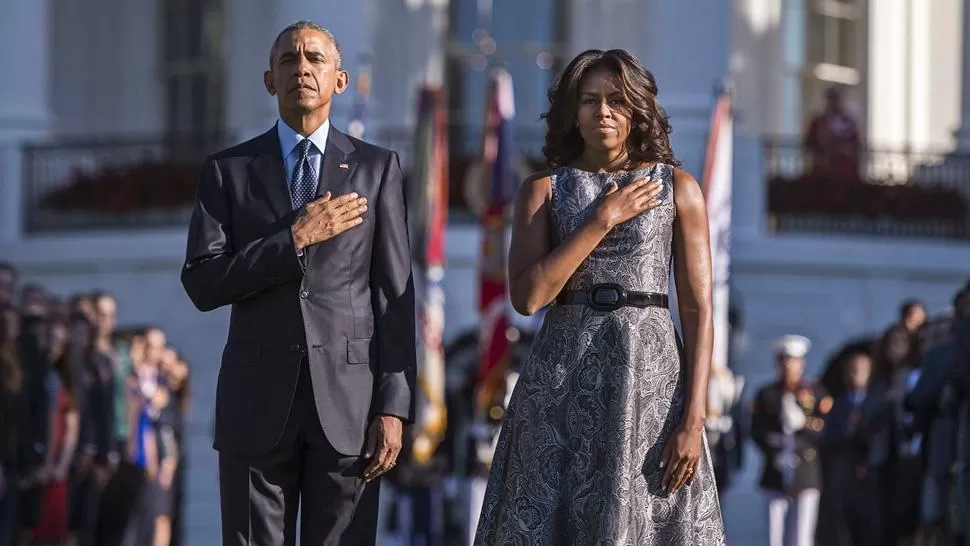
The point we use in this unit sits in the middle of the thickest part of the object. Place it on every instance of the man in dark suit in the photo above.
(786, 425)
(303, 231)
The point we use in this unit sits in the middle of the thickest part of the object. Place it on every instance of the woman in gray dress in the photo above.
(603, 439)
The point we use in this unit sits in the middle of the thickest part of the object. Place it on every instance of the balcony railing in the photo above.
(127, 184)
(86, 185)
(886, 193)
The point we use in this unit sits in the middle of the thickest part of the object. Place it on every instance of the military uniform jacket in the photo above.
(792, 461)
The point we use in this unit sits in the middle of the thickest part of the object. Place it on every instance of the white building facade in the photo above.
(98, 76)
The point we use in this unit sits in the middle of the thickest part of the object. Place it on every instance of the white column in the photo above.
(24, 111)
(963, 133)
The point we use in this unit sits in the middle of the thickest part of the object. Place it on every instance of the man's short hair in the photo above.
(303, 25)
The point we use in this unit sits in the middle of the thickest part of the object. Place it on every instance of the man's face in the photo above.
(304, 73)
(790, 369)
(833, 100)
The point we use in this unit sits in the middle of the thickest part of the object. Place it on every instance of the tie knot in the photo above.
(304, 147)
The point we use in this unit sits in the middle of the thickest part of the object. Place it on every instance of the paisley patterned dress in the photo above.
(578, 458)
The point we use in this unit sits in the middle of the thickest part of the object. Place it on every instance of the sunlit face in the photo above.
(304, 73)
(137, 350)
(790, 369)
(155, 339)
(106, 315)
(177, 374)
(603, 115)
(857, 371)
(169, 360)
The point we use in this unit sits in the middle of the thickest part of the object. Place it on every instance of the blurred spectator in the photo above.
(8, 284)
(64, 432)
(80, 402)
(912, 315)
(832, 139)
(843, 515)
(894, 465)
(13, 409)
(786, 425)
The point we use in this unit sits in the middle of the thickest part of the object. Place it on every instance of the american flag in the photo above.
(429, 209)
(498, 151)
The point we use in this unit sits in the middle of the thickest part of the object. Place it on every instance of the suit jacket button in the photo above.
(304, 294)
(296, 348)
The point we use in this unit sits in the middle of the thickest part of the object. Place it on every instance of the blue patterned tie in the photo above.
(303, 187)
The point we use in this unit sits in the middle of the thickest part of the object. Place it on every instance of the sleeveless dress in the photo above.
(578, 458)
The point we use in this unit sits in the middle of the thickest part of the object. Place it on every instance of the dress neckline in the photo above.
(611, 173)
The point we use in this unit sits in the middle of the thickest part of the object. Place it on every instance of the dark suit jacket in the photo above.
(766, 426)
(347, 306)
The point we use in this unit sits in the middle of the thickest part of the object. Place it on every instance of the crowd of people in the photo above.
(90, 423)
(874, 452)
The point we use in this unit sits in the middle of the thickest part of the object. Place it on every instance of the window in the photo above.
(193, 70)
(834, 51)
(832, 33)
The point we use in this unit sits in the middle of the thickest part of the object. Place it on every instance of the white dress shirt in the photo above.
(289, 140)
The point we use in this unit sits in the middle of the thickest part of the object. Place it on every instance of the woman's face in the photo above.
(106, 314)
(177, 374)
(58, 341)
(137, 350)
(168, 361)
(603, 116)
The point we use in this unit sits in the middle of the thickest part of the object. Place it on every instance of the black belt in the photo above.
(610, 297)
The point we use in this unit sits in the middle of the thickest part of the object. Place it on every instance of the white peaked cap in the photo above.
(792, 345)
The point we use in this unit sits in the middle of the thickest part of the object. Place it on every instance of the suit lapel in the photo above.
(271, 173)
(338, 164)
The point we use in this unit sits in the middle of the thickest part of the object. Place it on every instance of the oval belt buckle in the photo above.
(606, 297)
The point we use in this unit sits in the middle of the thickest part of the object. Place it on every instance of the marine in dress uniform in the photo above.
(786, 424)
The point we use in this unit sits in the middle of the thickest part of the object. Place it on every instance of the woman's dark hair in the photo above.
(11, 372)
(895, 350)
(64, 367)
(649, 138)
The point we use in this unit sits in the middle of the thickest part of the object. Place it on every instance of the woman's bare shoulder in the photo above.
(687, 192)
(536, 184)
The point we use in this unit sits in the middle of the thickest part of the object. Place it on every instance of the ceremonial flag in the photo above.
(429, 200)
(724, 388)
(497, 158)
(717, 194)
